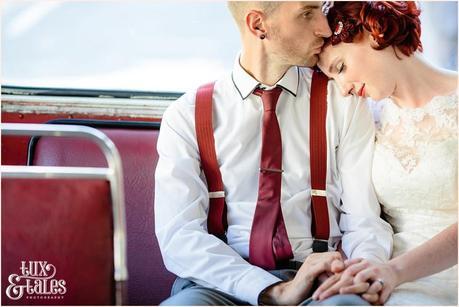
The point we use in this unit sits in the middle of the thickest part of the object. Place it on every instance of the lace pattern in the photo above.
(415, 179)
(408, 133)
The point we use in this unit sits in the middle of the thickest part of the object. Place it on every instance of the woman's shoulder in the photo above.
(445, 82)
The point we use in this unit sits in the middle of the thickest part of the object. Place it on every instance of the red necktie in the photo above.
(268, 239)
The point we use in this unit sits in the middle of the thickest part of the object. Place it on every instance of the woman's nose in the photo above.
(346, 89)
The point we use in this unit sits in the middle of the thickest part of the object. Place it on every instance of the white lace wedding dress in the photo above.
(415, 178)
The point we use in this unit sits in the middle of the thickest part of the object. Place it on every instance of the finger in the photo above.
(365, 275)
(325, 285)
(384, 295)
(355, 288)
(337, 266)
(334, 256)
(355, 268)
(349, 262)
(328, 283)
(316, 270)
(375, 287)
(335, 288)
(316, 258)
(371, 298)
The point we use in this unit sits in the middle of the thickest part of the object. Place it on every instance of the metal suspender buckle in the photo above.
(217, 194)
(319, 246)
(319, 193)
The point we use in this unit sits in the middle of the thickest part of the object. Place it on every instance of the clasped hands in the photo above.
(374, 282)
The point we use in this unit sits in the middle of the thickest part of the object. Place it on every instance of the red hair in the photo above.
(394, 24)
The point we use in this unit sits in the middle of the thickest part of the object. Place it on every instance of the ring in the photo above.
(380, 281)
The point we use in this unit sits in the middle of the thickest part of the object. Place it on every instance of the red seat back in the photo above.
(68, 224)
(149, 282)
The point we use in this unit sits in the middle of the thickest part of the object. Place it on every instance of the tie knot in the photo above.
(269, 97)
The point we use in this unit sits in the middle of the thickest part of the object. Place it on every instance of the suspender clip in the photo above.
(274, 170)
(217, 194)
(322, 193)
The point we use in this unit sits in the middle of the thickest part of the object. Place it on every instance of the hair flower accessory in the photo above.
(338, 28)
(345, 30)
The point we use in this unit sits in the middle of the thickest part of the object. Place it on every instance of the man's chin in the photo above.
(311, 61)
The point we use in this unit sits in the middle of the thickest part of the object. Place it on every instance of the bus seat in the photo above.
(149, 282)
(63, 228)
(53, 220)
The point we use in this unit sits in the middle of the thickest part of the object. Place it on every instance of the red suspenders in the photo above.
(216, 221)
(320, 225)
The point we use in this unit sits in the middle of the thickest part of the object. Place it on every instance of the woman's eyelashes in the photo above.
(340, 67)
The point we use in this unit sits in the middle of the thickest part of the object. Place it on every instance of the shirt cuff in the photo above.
(253, 283)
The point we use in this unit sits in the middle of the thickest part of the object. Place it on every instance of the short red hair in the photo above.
(394, 24)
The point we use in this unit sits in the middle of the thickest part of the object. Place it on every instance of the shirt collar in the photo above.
(246, 84)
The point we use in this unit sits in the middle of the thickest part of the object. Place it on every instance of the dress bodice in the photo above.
(415, 179)
(415, 165)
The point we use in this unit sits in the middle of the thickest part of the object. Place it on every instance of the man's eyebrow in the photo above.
(310, 7)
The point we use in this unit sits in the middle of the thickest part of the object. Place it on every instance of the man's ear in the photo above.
(254, 21)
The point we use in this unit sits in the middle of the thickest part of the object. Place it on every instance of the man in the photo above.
(277, 37)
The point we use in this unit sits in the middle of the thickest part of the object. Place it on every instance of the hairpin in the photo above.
(338, 28)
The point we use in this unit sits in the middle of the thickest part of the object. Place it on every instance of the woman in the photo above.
(375, 52)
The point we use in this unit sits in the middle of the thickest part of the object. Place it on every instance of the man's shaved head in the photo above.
(283, 32)
(239, 9)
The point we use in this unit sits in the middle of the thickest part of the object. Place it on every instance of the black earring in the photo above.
(262, 36)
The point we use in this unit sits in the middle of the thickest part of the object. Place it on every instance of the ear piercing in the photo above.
(262, 36)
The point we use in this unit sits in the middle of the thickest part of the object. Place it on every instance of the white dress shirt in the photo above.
(181, 196)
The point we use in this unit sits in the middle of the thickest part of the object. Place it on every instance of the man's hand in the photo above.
(298, 289)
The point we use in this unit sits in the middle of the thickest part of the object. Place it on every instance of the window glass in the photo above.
(147, 45)
(136, 45)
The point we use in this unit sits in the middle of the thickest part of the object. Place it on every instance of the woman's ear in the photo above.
(255, 25)
(373, 42)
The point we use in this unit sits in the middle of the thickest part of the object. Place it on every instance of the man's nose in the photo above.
(322, 27)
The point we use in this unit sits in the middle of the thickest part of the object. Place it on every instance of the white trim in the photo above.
(94, 106)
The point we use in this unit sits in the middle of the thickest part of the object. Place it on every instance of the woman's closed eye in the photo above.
(341, 67)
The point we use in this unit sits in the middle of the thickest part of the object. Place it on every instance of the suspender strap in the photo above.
(318, 153)
(216, 220)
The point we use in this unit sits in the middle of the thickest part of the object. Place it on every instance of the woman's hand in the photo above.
(345, 279)
(375, 282)
(384, 279)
